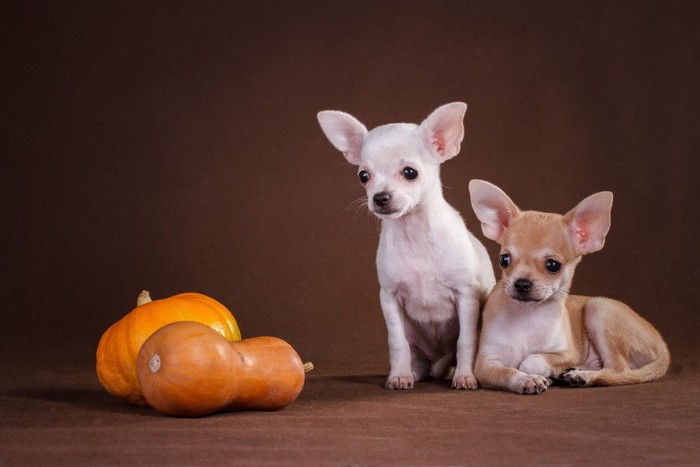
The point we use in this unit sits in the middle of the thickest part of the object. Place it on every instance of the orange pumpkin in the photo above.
(187, 370)
(120, 344)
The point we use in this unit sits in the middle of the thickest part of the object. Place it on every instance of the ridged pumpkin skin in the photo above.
(120, 344)
(187, 370)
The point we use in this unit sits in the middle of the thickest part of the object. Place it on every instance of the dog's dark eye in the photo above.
(410, 173)
(505, 260)
(364, 176)
(552, 266)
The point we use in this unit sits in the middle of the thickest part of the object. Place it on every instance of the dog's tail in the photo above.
(650, 372)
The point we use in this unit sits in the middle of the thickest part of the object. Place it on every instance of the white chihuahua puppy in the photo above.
(433, 272)
(533, 330)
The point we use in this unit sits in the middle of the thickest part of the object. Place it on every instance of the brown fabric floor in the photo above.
(65, 418)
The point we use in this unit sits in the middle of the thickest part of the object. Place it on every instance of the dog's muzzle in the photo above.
(383, 204)
(382, 199)
(522, 288)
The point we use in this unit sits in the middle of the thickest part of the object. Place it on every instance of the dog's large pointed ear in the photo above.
(443, 130)
(345, 132)
(589, 222)
(493, 207)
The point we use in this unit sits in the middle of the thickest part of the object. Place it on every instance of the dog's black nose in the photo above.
(523, 286)
(382, 199)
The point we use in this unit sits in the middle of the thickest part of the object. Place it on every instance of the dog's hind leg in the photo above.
(443, 368)
(420, 365)
(631, 350)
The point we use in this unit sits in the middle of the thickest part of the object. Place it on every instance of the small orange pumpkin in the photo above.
(120, 344)
(187, 370)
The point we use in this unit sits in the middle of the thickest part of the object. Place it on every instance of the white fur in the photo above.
(432, 271)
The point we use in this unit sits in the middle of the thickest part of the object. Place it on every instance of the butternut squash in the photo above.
(186, 369)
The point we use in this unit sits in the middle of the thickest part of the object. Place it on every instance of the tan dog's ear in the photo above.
(493, 207)
(443, 130)
(345, 132)
(589, 222)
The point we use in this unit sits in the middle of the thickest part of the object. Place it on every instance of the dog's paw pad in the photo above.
(533, 384)
(464, 382)
(399, 382)
(574, 378)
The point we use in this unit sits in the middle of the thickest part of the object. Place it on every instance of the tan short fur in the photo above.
(533, 331)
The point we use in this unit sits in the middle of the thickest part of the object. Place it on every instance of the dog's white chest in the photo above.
(425, 270)
(526, 330)
(424, 290)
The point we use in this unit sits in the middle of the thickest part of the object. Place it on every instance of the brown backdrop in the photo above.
(174, 146)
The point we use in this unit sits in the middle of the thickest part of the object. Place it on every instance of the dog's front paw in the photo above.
(464, 382)
(532, 384)
(574, 377)
(399, 382)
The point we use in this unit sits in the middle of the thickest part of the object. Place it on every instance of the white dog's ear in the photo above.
(589, 222)
(443, 130)
(493, 207)
(345, 132)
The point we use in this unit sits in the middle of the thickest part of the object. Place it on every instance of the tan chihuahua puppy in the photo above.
(533, 331)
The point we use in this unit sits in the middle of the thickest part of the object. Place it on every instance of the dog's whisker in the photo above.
(561, 294)
(357, 206)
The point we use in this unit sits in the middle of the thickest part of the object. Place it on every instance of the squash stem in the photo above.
(143, 298)
(308, 366)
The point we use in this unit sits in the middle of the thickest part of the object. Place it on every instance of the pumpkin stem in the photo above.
(144, 297)
(154, 363)
(308, 366)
